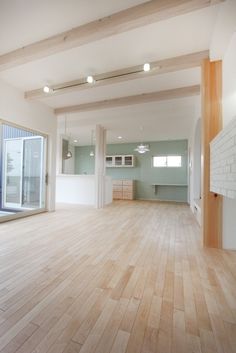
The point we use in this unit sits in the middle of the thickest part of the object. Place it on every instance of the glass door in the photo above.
(33, 174)
(12, 177)
(23, 170)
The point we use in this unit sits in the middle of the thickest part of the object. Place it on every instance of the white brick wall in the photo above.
(223, 162)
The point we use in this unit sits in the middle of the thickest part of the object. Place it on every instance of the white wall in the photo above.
(192, 156)
(36, 116)
(80, 189)
(229, 111)
(224, 28)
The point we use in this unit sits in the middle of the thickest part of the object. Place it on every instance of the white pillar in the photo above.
(100, 166)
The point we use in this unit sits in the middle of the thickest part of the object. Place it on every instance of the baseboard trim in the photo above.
(159, 200)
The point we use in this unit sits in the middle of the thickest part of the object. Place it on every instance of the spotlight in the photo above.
(146, 67)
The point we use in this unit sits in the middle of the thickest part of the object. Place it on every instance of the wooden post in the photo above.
(211, 125)
(100, 167)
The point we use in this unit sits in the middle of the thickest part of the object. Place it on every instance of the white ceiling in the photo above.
(25, 21)
(166, 120)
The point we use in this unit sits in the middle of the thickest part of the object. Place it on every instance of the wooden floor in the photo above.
(130, 278)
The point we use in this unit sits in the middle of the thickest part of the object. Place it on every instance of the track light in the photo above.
(46, 89)
(90, 79)
(146, 67)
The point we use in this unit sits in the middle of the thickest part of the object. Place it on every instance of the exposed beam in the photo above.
(211, 125)
(131, 100)
(137, 16)
(157, 67)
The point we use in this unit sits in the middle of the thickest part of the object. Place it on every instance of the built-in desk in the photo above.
(167, 185)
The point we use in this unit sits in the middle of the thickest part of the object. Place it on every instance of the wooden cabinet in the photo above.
(123, 189)
(120, 161)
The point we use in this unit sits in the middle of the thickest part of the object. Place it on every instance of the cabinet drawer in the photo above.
(128, 182)
(127, 195)
(127, 188)
(117, 182)
(117, 195)
(117, 188)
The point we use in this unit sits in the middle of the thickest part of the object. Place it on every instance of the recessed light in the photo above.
(146, 67)
(120, 137)
(90, 79)
(46, 89)
(75, 140)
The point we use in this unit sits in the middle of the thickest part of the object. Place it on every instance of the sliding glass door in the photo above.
(23, 165)
(12, 173)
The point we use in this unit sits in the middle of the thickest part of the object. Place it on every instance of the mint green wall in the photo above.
(84, 164)
(143, 172)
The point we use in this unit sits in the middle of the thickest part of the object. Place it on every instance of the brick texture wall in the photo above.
(223, 162)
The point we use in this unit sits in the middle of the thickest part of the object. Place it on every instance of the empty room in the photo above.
(117, 176)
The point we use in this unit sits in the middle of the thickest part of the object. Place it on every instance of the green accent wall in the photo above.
(84, 164)
(143, 173)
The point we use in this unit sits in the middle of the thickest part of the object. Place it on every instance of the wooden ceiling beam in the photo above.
(131, 100)
(123, 21)
(157, 67)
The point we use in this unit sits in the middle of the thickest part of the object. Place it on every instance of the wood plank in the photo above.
(211, 126)
(158, 67)
(131, 100)
(171, 294)
(123, 21)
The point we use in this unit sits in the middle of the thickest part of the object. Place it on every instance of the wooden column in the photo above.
(211, 125)
(100, 167)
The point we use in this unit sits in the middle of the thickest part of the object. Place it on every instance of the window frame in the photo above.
(166, 165)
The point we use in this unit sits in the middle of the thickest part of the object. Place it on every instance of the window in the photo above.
(167, 161)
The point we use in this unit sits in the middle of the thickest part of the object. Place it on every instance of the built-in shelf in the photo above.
(119, 161)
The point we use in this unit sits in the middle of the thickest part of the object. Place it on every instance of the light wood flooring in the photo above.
(131, 278)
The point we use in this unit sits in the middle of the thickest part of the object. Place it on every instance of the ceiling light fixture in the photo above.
(46, 89)
(75, 141)
(146, 67)
(68, 153)
(92, 150)
(141, 148)
(119, 137)
(90, 79)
